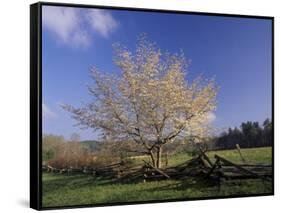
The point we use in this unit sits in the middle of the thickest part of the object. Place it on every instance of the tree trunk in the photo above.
(159, 159)
(152, 158)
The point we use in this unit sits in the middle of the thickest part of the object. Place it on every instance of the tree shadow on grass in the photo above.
(189, 183)
(204, 187)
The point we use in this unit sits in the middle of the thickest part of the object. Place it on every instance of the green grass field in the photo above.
(63, 190)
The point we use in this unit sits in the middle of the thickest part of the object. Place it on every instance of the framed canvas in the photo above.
(133, 105)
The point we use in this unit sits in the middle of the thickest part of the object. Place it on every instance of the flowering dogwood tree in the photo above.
(149, 102)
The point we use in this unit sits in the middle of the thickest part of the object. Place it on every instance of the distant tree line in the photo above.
(62, 153)
(250, 134)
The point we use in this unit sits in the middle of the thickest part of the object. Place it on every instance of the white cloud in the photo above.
(47, 113)
(102, 21)
(81, 38)
(211, 117)
(74, 27)
(65, 24)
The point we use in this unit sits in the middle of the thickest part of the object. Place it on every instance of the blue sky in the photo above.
(236, 51)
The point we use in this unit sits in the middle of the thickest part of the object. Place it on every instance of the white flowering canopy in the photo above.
(150, 101)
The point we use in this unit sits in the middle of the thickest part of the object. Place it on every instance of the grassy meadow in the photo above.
(63, 190)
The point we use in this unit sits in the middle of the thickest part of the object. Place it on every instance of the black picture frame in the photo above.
(36, 101)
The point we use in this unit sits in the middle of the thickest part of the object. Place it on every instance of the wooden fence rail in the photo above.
(199, 166)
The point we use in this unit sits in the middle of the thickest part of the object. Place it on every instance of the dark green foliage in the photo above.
(251, 134)
(48, 155)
